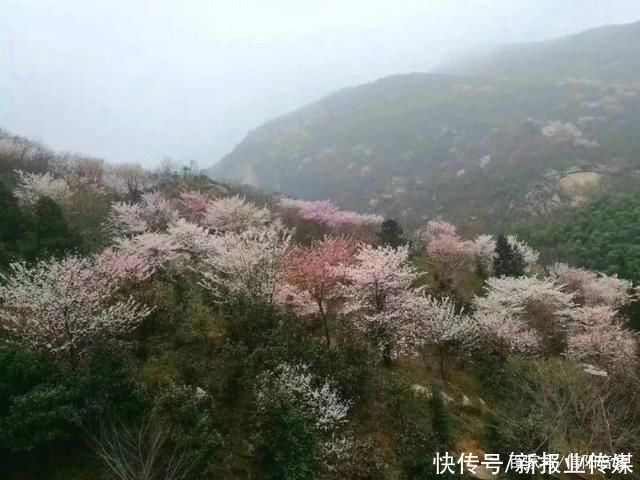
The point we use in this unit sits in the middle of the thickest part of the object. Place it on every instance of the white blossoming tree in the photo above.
(247, 263)
(429, 323)
(33, 186)
(378, 283)
(541, 304)
(62, 306)
(318, 400)
(234, 214)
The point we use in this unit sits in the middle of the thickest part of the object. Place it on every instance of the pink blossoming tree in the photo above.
(193, 206)
(454, 257)
(591, 288)
(331, 219)
(317, 272)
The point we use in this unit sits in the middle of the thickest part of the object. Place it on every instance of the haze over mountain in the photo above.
(141, 80)
(528, 130)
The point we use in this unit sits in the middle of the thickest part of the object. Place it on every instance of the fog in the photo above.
(133, 80)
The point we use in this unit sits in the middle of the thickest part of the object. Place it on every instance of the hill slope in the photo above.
(475, 149)
(609, 53)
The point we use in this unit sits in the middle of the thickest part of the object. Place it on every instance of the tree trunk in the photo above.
(325, 324)
(441, 354)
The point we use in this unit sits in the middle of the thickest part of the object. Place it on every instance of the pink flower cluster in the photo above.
(326, 213)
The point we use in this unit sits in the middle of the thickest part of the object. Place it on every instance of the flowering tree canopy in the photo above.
(124, 265)
(233, 214)
(190, 238)
(153, 213)
(155, 249)
(379, 292)
(61, 306)
(528, 254)
(506, 335)
(247, 263)
(33, 186)
(453, 256)
(193, 206)
(377, 275)
(318, 272)
(597, 336)
(541, 304)
(591, 288)
(431, 322)
(326, 213)
(319, 401)
(484, 247)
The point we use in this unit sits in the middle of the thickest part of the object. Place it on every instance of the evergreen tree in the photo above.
(52, 233)
(508, 260)
(14, 227)
(391, 234)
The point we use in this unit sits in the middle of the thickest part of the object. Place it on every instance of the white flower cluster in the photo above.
(320, 400)
(34, 186)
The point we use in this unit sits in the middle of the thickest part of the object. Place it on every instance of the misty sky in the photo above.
(136, 80)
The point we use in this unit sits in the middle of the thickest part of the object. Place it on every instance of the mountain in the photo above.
(522, 132)
(609, 53)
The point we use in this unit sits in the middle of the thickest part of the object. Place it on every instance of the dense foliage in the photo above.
(602, 236)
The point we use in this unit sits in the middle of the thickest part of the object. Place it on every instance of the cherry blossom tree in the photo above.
(153, 213)
(427, 322)
(506, 335)
(194, 206)
(33, 186)
(62, 306)
(318, 399)
(528, 254)
(326, 214)
(297, 300)
(379, 285)
(126, 219)
(597, 336)
(318, 272)
(454, 257)
(124, 266)
(155, 249)
(377, 275)
(234, 214)
(591, 288)
(247, 263)
(190, 238)
(157, 211)
(540, 303)
(484, 250)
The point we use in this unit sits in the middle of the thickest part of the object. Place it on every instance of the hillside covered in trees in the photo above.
(158, 325)
(526, 132)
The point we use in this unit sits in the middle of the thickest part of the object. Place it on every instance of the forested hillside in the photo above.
(157, 325)
(541, 130)
(608, 53)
